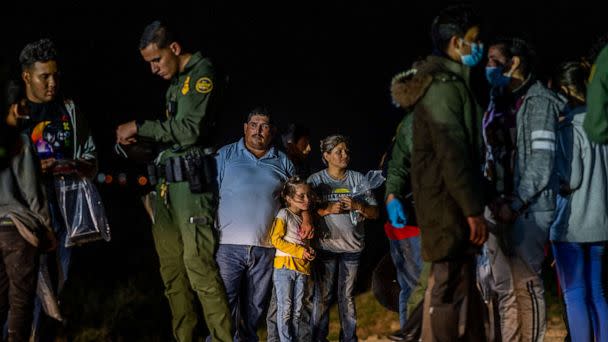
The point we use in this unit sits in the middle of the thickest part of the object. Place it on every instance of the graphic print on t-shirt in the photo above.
(53, 139)
(333, 195)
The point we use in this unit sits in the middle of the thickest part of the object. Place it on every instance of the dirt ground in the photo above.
(374, 322)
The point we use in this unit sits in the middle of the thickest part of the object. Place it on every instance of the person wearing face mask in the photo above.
(445, 176)
(530, 204)
(498, 130)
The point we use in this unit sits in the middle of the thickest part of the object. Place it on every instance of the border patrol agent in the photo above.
(184, 208)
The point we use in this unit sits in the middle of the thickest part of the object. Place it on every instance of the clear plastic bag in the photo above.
(82, 210)
(373, 179)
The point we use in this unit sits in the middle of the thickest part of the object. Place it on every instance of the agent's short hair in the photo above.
(42, 51)
(157, 33)
(452, 21)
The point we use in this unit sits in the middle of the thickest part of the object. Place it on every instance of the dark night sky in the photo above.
(327, 64)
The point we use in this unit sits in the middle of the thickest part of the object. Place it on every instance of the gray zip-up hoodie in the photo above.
(536, 182)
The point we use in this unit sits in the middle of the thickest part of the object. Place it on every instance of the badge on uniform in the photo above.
(204, 85)
(186, 87)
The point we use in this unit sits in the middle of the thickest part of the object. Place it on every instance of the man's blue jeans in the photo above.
(329, 268)
(251, 267)
(290, 287)
(407, 258)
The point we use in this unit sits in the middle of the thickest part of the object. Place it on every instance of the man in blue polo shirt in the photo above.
(250, 176)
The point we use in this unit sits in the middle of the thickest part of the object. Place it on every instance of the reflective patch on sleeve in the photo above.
(543, 134)
(543, 145)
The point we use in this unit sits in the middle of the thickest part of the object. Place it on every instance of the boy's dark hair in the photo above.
(42, 50)
(452, 21)
(157, 33)
(294, 133)
(511, 47)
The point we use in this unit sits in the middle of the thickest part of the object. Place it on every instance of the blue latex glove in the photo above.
(396, 214)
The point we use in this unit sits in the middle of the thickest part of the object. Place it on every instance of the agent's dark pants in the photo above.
(18, 276)
(452, 303)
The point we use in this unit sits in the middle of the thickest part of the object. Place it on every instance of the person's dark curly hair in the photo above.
(42, 50)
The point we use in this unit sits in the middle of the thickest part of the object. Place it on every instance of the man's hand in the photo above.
(478, 228)
(15, 112)
(395, 211)
(309, 254)
(126, 133)
(47, 164)
(306, 230)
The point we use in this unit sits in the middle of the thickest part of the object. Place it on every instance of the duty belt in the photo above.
(195, 167)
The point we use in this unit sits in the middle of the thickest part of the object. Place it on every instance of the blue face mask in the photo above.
(476, 55)
(496, 77)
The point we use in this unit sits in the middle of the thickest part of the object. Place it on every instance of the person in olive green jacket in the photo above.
(596, 122)
(446, 177)
(183, 221)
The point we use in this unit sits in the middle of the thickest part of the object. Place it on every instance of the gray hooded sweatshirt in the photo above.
(536, 182)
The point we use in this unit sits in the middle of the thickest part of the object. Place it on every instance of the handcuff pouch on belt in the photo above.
(196, 166)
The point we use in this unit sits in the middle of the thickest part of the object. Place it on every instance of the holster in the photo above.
(196, 166)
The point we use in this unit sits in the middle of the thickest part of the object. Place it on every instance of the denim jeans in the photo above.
(406, 255)
(290, 287)
(331, 268)
(251, 267)
(18, 273)
(580, 269)
(305, 328)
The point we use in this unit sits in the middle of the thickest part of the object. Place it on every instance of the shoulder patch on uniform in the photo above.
(204, 85)
(186, 87)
